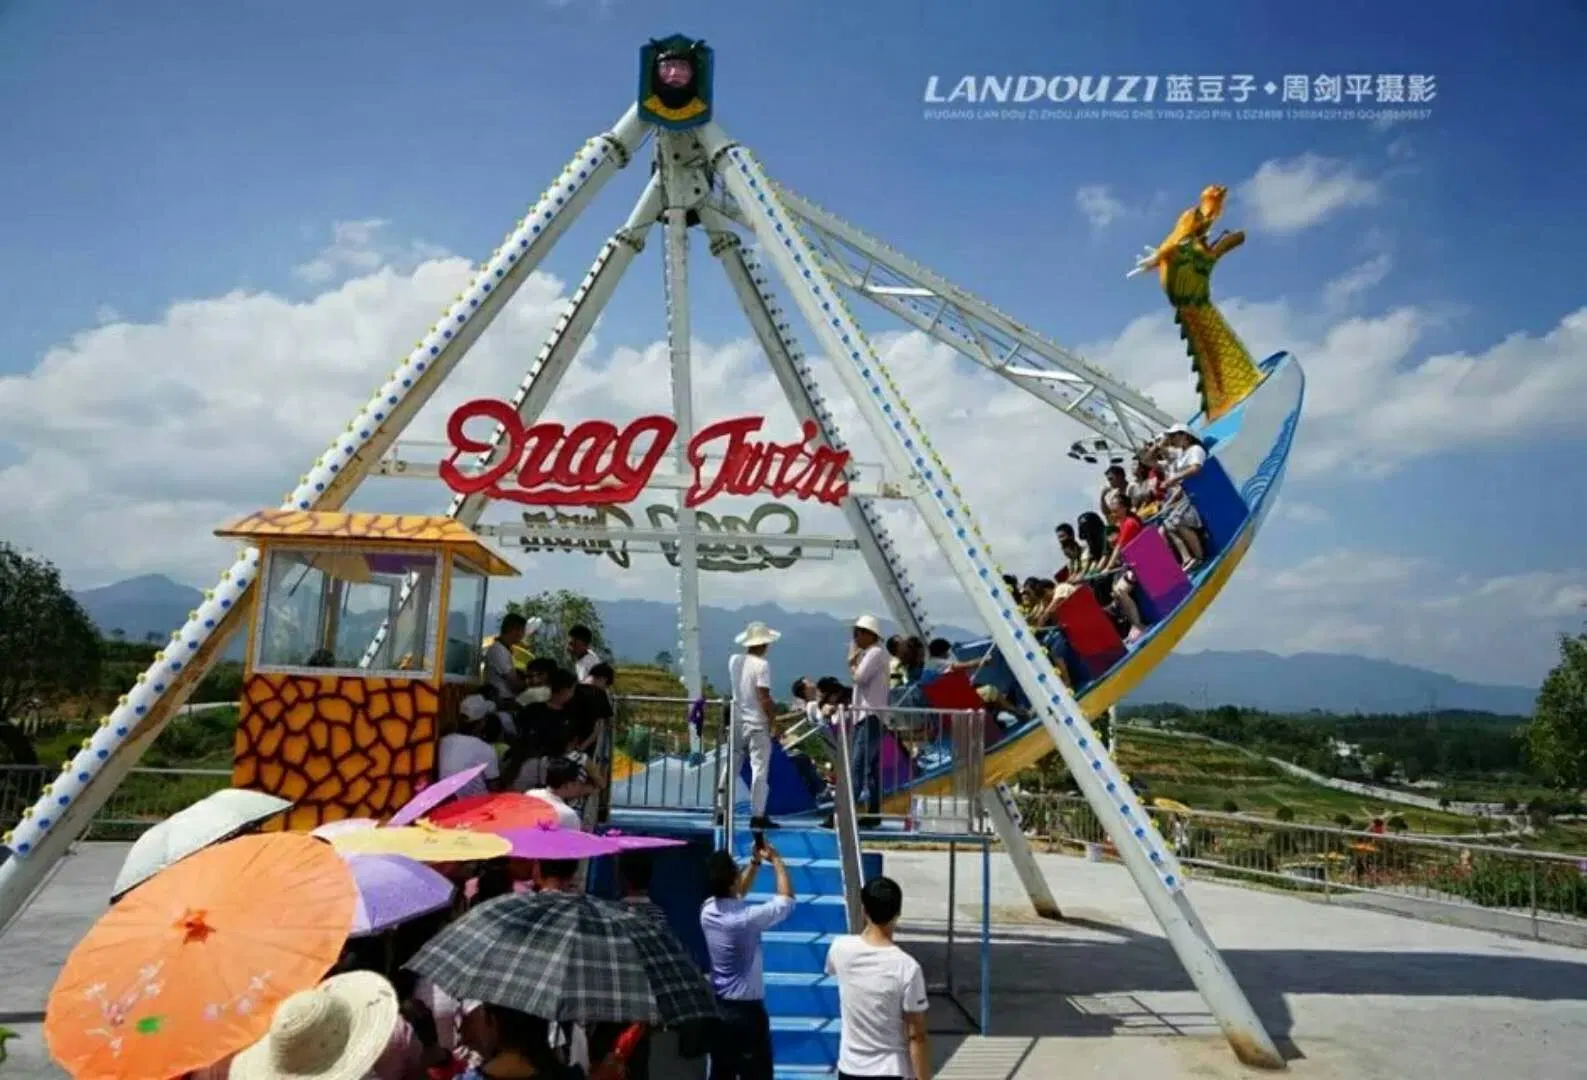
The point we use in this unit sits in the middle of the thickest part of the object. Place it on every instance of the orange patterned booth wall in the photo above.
(337, 746)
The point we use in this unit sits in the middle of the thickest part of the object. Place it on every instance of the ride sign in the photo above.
(597, 464)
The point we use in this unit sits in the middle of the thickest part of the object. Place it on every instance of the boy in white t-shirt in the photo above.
(882, 995)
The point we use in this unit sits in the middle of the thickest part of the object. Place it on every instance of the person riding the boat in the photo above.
(1093, 534)
(1182, 522)
(1129, 527)
(1115, 488)
(1146, 489)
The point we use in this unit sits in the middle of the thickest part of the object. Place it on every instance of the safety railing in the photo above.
(668, 753)
(926, 767)
(1508, 889)
(146, 797)
(845, 820)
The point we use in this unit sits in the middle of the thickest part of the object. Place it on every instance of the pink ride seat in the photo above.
(1161, 583)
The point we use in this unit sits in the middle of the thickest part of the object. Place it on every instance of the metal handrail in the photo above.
(845, 821)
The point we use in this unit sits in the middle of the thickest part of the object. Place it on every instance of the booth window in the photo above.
(465, 622)
(322, 609)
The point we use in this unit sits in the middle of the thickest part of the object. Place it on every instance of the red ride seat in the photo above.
(1093, 639)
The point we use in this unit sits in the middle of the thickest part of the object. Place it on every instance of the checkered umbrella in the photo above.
(567, 957)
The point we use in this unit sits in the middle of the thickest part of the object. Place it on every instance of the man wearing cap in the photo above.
(749, 674)
(868, 663)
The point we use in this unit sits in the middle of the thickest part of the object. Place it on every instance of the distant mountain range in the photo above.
(813, 644)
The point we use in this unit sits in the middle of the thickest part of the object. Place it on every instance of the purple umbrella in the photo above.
(392, 890)
(640, 843)
(549, 842)
(433, 796)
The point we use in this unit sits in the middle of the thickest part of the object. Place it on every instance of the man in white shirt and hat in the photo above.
(749, 674)
(868, 663)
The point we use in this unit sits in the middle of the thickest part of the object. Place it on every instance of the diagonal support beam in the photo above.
(67, 805)
(945, 513)
(951, 315)
(752, 285)
(556, 356)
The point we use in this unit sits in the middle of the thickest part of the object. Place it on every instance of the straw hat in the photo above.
(756, 633)
(336, 1031)
(869, 623)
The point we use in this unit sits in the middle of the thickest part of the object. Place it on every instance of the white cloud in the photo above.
(1288, 196)
(1348, 287)
(360, 247)
(1302, 513)
(244, 389)
(104, 314)
(1099, 205)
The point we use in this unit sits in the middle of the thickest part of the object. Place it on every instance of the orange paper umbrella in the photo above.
(505, 811)
(189, 967)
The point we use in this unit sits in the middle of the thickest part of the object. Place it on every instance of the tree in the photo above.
(1284, 813)
(558, 613)
(118, 635)
(49, 648)
(664, 660)
(1556, 739)
(1382, 768)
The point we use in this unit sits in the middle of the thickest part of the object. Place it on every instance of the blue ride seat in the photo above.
(1220, 505)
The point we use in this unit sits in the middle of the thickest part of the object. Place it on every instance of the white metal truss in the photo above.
(752, 285)
(87, 781)
(931, 304)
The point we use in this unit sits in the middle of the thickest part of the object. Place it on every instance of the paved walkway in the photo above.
(1351, 994)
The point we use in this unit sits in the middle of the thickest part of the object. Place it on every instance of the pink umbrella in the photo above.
(550, 842)
(640, 843)
(434, 795)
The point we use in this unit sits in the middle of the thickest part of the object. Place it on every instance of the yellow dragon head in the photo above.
(1211, 206)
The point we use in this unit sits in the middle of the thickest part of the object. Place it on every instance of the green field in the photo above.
(1204, 776)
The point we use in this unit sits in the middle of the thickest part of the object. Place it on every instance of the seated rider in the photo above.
(1146, 489)
(1115, 488)
(1123, 589)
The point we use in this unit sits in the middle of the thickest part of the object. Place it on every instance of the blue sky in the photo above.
(166, 151)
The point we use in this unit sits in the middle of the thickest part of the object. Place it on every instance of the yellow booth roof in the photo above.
(306, 527)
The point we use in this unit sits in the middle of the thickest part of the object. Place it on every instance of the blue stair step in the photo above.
(813, 875)
(792, 843)
(796, 950)
(803, 1072)
(820, 913)
(801, 994)
(808, 876)
(805, 1040)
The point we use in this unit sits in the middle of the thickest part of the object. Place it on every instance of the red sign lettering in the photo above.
(592, 465)
(749, 468)
(596, 464)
